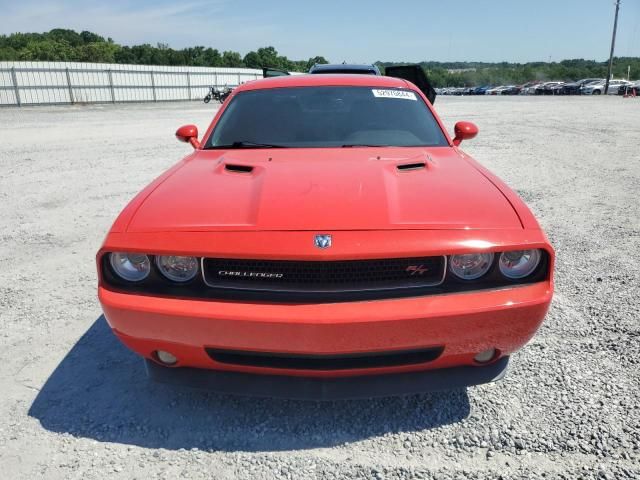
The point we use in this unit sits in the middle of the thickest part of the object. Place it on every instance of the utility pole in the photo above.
(613, 44)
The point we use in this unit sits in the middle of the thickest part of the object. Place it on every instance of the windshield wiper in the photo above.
(247, 144)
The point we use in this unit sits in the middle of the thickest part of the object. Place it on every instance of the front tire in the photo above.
(596, 92)
(207, 99)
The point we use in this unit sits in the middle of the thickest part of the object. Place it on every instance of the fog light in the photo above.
(485, 356)
(166, 357)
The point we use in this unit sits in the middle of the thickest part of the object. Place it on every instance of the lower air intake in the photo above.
(325, 362)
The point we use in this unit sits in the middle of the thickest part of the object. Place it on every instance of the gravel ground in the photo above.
(76, 404)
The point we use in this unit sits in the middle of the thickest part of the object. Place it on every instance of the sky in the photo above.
(351, 30)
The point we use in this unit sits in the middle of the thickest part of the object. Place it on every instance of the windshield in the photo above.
(326, 117)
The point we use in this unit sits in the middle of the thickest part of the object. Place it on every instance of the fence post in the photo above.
(14, 79)
(238, 78)
(189, 84)
(153, 86)
(113, 97)
(69, 86)
(215, 79)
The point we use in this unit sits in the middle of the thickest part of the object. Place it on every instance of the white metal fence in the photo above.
(42, 83)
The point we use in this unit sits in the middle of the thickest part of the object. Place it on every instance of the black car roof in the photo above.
(320, 67)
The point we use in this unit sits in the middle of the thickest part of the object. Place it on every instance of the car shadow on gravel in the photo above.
(100, 391)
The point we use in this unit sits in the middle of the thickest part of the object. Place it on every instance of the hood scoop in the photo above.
(407, 167)
(235, 168)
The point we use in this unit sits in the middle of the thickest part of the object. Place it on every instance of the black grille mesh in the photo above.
(304, 276)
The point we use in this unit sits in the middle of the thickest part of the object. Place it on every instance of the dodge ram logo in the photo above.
(322, 241)
(416, 269)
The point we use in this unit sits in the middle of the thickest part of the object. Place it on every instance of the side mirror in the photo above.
(188, 133)
(464, 131)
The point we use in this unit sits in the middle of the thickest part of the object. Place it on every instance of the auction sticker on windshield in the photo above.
(404, 94)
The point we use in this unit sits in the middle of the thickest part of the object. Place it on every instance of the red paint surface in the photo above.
(453, 205)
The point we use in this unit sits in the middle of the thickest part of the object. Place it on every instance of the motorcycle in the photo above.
(217, 94)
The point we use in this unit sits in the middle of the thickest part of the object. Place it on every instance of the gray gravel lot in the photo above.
(76, 404)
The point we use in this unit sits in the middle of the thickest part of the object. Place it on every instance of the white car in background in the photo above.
(529, 88)
(597, 88)
(495, 90)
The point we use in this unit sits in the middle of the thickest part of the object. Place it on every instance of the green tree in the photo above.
(64, 35)
(252, 60)
(62, 44)
(231, 59)
(211, 57)
(313, 60)
(89, 37)
(51, 51)
(96, 52)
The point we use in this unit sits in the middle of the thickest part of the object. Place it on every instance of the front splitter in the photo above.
(342, 388)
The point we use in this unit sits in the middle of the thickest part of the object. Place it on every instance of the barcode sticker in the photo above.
(403, 94)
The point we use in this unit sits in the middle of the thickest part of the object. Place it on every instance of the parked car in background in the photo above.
(511, 90)
(573, 88)
(480, 90)
(597, 88)
(586, 86)
(495, 90)
(549, 88)
(345, 68)
(529, 88)
(631, 89)
(412, 73)
(539, 89)
(614, 86)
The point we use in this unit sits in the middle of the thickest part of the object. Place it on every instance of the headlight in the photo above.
(519, 263)
(470, 266)
(178, 269)
(130, 266)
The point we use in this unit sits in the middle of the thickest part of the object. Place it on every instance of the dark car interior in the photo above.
(326, 117)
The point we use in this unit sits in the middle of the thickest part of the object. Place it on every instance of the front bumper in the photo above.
(456, 325)
(461, 324)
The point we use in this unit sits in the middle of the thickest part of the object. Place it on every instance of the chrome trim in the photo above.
(426, 285)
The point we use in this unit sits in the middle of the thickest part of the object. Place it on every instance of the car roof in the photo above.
(318, 67)
(310, 80)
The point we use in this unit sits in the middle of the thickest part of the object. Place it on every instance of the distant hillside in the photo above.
(67, 45)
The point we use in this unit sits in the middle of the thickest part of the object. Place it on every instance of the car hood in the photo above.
(323, 189)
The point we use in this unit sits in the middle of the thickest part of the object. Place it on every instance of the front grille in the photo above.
(323, 276)
(317, 282)
(325, 362)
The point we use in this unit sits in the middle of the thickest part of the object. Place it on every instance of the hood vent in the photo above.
(406, 167)
(238, 168)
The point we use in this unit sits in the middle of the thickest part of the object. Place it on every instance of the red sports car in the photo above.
(326, 239)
